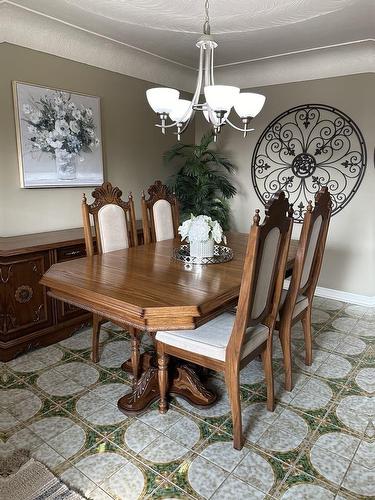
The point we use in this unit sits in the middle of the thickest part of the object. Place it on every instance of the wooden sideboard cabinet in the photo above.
(29, 318)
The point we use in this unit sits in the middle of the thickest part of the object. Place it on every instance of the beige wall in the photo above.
(133, 147)
(349, 263)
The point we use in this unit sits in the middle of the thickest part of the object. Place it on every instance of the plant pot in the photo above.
(66, 165)
(202, 249)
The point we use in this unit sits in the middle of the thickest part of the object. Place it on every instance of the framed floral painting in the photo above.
(58, 137)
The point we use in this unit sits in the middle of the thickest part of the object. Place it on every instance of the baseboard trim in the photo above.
(353, 298)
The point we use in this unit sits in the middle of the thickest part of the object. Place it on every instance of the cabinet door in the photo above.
(27, 305)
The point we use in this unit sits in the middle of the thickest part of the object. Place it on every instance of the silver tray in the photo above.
(221, 254)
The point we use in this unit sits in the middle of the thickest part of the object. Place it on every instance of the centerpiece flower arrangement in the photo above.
(202, 233)
(61, 128)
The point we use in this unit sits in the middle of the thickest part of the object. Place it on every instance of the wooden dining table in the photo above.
(145, 287)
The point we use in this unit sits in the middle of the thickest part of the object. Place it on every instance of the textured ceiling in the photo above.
(245, 29)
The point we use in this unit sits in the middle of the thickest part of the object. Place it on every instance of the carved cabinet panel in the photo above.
(25, 304)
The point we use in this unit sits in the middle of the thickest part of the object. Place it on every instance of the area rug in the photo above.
(24, 478)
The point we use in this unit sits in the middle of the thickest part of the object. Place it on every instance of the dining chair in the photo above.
(160, 217)
(296, 301)
(114, 229)
(229, 342)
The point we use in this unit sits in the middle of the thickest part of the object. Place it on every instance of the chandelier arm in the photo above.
(212, 67)
(207, 67)
(165, 126)
(238, 128)
(196, 95)
(175, 124)
(186, 124)
(198, 87)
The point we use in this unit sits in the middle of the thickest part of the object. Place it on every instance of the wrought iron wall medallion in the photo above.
(307, 147)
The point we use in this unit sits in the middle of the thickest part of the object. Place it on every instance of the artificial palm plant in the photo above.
(201, 184)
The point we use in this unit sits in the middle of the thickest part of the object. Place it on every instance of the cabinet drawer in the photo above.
(72, 252)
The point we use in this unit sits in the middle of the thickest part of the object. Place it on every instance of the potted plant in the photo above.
(201, 184)
(201, 232)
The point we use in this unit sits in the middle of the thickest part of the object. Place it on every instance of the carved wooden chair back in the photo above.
(159, 213)
(114, 220)
(310, 250)
(263, 274)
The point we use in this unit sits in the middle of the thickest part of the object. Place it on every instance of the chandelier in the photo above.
(177, 113)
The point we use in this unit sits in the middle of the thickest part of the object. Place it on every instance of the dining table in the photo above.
(147, 288)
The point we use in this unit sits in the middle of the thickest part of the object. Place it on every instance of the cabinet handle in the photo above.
(73, 253)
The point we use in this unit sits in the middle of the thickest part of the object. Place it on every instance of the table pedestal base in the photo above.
(184, 382)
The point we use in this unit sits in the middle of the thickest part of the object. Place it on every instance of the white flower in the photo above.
(54, 144)
(67, 120)
(76, 113)
(217, 232)
(27, 109)
(35, 117)
(62, 127)
(58, 99)
(201, 228)
(184, 229)
(60, 113)
(74, 127)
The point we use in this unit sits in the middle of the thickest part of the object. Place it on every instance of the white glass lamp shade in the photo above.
(248, 104)
(161, 99)
(181, 111)
(221, 97)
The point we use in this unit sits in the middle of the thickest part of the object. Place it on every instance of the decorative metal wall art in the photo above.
(307, 147)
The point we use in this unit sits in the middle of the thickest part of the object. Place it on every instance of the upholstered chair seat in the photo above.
(212, 338)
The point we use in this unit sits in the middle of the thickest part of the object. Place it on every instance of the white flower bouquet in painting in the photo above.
(202, 233)
(61, 128)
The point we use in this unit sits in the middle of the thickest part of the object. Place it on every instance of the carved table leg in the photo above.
(135, 354)
(184, 383)
(163, 360)
(187, 384)
(145, 361)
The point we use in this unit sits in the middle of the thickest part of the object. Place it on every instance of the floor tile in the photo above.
(201, 477)
(234, 486)
(318, 443)
(256, 470)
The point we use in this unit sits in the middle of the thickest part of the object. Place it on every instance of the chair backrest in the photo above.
(114, 220)
(159, 214)
(310, 251)
(264, 271)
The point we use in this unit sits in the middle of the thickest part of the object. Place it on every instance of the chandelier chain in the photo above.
(206, 26)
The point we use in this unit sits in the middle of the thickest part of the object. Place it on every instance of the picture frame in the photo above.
(59, 137)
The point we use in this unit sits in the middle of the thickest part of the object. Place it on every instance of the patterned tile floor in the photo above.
(318, 444)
